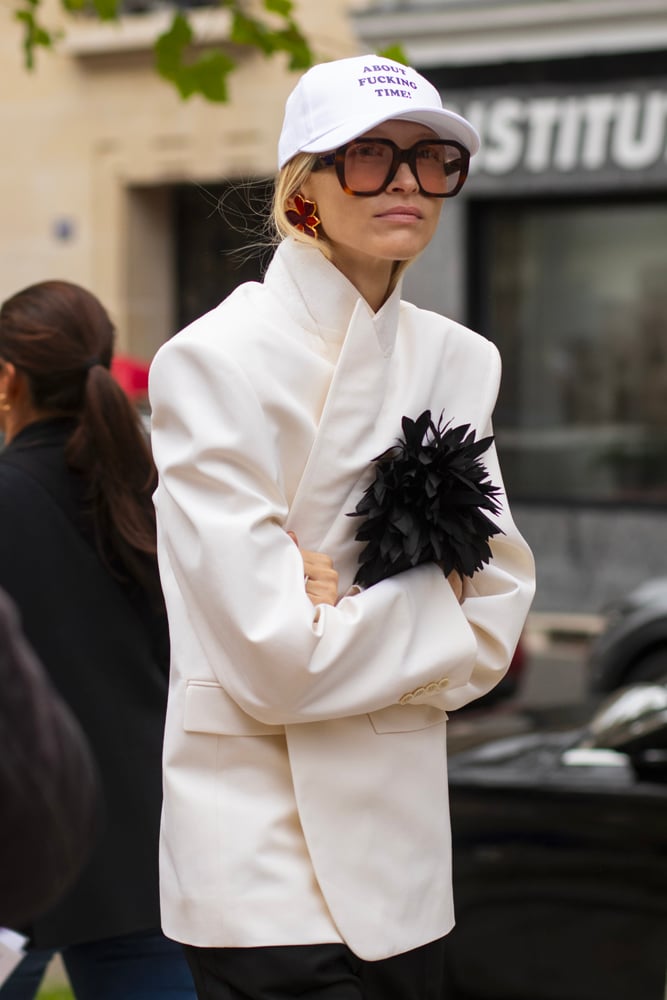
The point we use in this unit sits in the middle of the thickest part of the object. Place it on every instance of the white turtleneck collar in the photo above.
(322, 299)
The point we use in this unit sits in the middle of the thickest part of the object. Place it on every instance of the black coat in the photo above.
(47, 782)
(105, 647)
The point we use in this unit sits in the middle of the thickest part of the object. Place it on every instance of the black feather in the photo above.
(427, 503)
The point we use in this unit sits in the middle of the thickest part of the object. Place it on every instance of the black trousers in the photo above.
(316, 972)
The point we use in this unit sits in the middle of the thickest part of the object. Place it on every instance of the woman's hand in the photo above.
(320, 577)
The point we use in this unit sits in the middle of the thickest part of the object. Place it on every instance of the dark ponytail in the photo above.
(61, 338)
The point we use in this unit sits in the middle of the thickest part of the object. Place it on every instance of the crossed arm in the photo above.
(321, 578)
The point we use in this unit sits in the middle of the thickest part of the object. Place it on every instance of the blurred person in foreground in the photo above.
(49, 795)
(77, 555)
(305, 840)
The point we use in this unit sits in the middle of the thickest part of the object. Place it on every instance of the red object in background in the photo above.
(131, 375)
(518, 660)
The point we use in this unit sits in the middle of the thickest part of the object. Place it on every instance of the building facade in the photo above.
(557, 251)
(109, 179)
(556, 248)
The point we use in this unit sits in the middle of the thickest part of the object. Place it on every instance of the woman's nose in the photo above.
(403, 180)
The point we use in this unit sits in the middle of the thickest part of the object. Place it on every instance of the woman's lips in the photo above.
(401, 213)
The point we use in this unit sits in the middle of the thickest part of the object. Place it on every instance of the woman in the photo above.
(77, 555)
(305, 838)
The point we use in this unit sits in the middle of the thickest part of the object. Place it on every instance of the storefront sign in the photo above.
(577, 136)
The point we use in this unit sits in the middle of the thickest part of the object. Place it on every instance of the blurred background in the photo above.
(556, 249)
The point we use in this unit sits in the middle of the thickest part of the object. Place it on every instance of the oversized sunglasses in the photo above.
(366, 166)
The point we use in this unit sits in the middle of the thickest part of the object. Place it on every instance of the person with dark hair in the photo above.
(305, 836)
(48, 781)
(78, 557)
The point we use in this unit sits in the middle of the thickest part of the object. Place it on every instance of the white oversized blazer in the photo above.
(305, 795)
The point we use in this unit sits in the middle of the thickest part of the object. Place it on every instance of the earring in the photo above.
(302, 215)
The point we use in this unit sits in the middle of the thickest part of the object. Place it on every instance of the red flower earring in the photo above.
(302, 215)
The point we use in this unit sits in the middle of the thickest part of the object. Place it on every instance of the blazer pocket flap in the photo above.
(406, 718)
(209, 709)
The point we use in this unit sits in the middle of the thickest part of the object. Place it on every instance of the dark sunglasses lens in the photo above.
(439, 167)
(368, 166)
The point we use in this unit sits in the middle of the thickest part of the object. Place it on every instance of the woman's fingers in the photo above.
(316, 563)
(322, 592)
(320, 577)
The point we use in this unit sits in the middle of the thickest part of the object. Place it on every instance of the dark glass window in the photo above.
(575, 296)
(145, 6)
(220, 242)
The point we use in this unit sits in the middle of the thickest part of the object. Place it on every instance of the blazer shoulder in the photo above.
(219, 325)
(445, 339)
(443, 326)
(226, 350)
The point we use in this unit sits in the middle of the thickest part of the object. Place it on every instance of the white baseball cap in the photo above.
(337, 101)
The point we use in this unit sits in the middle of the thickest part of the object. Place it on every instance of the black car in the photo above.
(560, 858)
(633, 644)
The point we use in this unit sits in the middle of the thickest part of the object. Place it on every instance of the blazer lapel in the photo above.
(348, 435)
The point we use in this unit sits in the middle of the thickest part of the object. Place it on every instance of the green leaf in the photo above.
(291, 40)
(282, 7)
(248, 31)
(34, 35)
(107, 10)
(170, 46)
(252, 32)
(206, 75)
(395, 53)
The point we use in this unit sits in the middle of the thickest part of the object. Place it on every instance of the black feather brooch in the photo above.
(427, 503)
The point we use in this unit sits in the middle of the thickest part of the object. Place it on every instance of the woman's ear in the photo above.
(15, 393)
(7, 371)
(16, 406)
(10, 383)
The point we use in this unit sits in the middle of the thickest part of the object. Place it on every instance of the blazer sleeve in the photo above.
(225, 555)
(490, 599)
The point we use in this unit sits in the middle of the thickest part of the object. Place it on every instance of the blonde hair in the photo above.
(288, 184)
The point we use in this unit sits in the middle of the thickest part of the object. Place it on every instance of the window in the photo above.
(145, 6)
(220, 242)
(575, 296)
